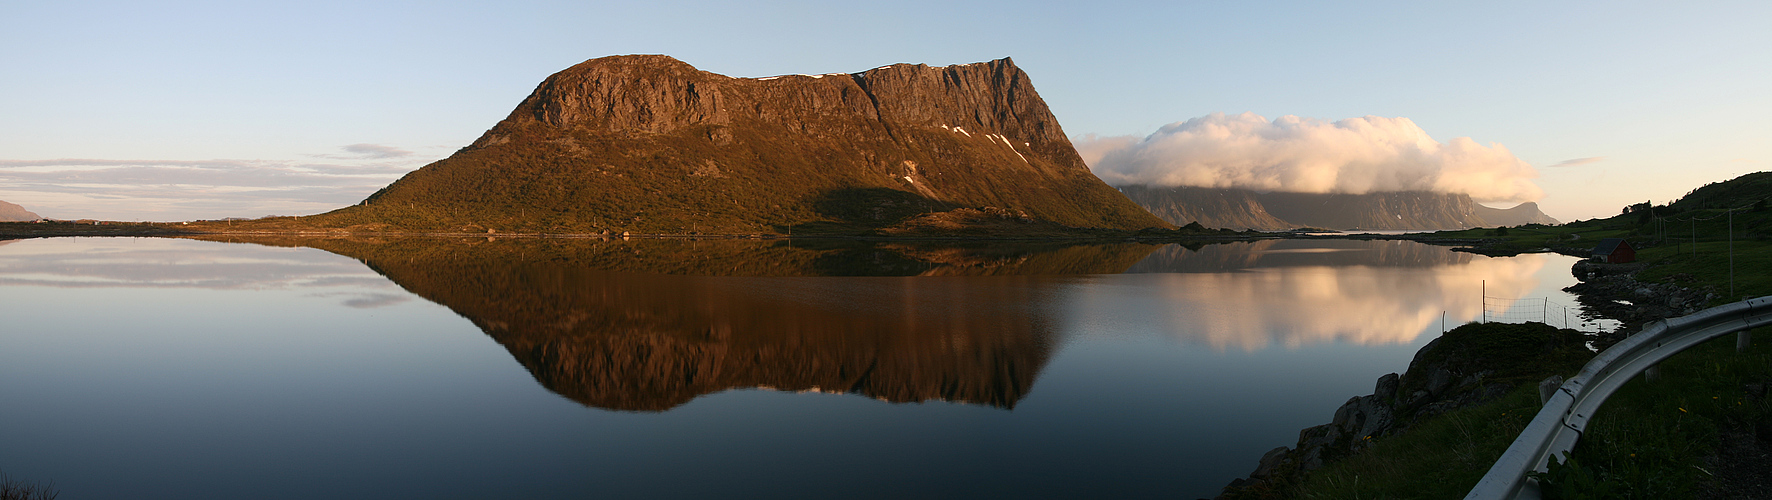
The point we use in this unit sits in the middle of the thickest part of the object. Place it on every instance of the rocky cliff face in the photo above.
(1243, 209)
(650, 144)
(14, 213)
(1390, 211)
(1216, 208)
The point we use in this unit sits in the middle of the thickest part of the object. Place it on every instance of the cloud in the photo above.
(1579, 161)
(1092, 148)
(1355, 156)
(376, 151)
(170, 190)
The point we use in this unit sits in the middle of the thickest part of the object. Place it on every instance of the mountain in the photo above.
(1388, 211)
(1220, 208)
(1742, 191)
(14, 213)
(649, 144)
(1522, 214)
(1406, 210)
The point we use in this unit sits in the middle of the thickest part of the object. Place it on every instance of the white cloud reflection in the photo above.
(1251, 296)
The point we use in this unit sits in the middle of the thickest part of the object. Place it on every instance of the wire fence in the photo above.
(1539, 310)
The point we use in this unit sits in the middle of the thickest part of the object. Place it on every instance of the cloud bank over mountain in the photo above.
(1308, 155)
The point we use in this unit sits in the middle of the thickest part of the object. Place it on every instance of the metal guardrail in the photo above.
(1560, 423)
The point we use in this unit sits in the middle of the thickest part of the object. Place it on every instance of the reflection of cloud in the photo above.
(171, 263)
(1236, 256)
(1255, 302)
(368, 300)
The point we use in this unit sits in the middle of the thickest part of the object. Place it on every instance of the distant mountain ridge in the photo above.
(1524, 213)
(649, 144)
(1245, 209)
(13, 213)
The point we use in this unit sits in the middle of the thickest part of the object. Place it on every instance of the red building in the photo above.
(1615, 251)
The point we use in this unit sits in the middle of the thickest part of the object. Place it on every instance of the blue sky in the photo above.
(184, 110)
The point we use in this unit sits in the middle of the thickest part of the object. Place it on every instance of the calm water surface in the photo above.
(164, 368)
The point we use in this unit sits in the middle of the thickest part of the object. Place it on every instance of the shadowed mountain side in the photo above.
(651, 145)
(1234, 256)
(650, 342)
(1519, 215)
(1244, 209)
(1391, 210)
(1218, 208)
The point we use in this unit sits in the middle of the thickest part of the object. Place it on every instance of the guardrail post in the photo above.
(1742, 339)
(1653, 373)
(1548, 388)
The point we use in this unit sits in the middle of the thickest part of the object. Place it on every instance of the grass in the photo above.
(1441, 458)
(1708, 263)
(1651, 437)
(1649, 440)
(12, 489)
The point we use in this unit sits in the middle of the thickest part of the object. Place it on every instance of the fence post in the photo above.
(1485, 301)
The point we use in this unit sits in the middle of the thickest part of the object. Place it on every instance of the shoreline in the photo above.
(27, 230)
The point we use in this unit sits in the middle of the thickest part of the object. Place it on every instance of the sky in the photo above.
(182, 110)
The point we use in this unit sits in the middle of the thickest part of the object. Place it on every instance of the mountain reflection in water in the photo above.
(601, 322)
(626, 340)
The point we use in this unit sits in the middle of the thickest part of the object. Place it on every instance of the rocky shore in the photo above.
(1470, 365)
(1612, 291)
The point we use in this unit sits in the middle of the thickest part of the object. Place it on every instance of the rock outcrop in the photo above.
(1612, 291)
(1244, 209)
(14, 213)
(649, 144)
